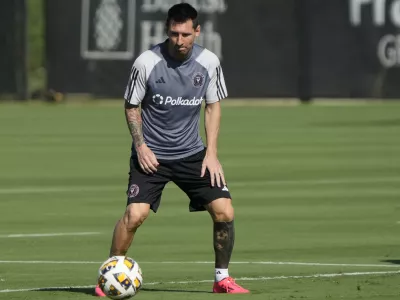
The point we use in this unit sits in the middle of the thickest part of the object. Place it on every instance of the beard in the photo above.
(182, 53)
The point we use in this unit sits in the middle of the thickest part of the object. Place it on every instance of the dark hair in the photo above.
(180, 13)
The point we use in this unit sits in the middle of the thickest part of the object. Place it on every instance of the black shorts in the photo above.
(185, 173)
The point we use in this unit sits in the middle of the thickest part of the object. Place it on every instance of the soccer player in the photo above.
(163, 100)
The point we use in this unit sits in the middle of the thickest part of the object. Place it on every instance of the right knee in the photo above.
(135, 215)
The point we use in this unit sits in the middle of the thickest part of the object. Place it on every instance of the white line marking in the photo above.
(28, 262)
(210, 281)
(57, 189)
(318, 264)
(321, 181)
(284, 277)
(47, 234)
(71, 189)
(204, 262)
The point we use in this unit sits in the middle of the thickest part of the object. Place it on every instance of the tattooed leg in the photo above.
(224, 239)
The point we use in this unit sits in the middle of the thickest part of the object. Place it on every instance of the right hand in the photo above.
(147, 160)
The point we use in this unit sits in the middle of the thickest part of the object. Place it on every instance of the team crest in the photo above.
(133, 191)
(198, 80)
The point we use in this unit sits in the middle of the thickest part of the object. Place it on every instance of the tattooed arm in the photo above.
(134, 121)
(147, 160)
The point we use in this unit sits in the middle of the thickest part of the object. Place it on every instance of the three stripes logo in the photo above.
(221, 92)
(132, 82)
(161, 80)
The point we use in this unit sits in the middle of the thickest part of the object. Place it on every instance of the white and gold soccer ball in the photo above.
(120, 277)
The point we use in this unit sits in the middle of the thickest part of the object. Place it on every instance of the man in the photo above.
(170, 82)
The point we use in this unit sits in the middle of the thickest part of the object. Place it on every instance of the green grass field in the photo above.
(316, 191)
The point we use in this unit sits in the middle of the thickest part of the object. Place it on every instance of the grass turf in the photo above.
(311, 184)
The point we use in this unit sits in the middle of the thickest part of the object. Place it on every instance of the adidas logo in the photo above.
(160, 80)
(225, 188)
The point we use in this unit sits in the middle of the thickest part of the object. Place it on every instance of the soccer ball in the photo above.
(120, 277)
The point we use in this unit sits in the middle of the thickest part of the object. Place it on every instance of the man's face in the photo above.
(181, 38)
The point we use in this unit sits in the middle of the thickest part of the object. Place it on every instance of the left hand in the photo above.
(211, 163)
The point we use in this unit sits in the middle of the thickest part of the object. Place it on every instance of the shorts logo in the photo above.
(158, 99)
(133, 191)
(198, 80)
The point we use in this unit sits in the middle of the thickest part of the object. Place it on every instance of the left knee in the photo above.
(221, 210)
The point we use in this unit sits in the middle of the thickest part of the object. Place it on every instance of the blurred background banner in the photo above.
(354, 48)
(91, 44)
(13, 48)
(268, 48)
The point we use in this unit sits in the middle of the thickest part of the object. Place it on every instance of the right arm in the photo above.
(134, 94)
(134, 121)
(147, 160)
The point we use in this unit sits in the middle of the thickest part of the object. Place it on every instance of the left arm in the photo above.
(212, 117)
(216, 91)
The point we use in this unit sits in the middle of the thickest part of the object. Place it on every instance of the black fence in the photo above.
(268, 48)
(13, 48)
